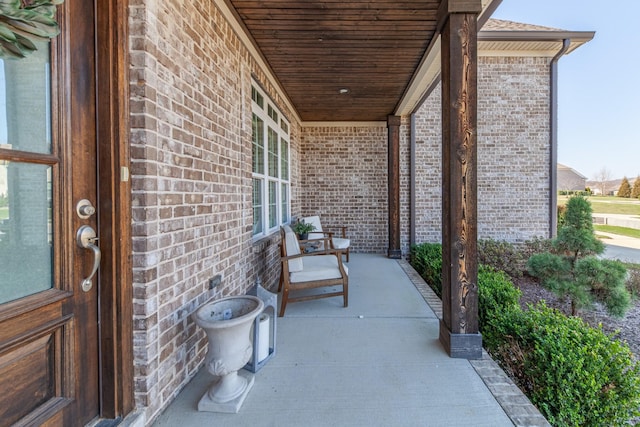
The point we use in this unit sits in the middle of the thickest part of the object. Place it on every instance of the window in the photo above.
(270, 131)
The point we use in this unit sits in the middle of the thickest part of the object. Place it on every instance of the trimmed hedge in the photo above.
(502, 256)
(576, 375)
(426, 259)
(496, 294)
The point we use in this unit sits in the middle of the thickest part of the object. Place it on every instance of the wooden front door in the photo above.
(49, 341)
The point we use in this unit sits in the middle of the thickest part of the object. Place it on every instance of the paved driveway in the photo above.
(621, 247)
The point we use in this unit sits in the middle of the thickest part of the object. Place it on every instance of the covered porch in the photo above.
(377, 362)
(308, 68)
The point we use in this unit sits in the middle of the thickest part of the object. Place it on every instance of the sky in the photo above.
(598, 83)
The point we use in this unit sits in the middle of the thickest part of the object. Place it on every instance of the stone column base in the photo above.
(394, 253)
(461, 346)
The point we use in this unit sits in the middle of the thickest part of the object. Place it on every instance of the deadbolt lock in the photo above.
(85, 209)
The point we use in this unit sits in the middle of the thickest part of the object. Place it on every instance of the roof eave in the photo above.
(536, 36)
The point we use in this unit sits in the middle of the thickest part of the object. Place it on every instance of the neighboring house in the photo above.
(193, 150)
(570, 179)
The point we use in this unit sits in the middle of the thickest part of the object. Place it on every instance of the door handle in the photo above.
(86, 239)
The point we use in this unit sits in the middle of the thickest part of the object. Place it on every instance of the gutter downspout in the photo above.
(553, 133)
(412, 181)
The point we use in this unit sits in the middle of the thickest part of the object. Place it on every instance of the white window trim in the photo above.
(262, 114)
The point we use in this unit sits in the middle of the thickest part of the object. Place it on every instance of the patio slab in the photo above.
(376, 363)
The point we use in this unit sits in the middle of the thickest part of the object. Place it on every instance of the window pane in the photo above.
(258, 145)
(284, 159)
(25, 99)
(257, 97)
(26, 244)
(273, 152)
(257, 206)
(284, 127)
(273, 217)
(284, 204)
(272, 113)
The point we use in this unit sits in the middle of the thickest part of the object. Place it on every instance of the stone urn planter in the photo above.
(227, 323)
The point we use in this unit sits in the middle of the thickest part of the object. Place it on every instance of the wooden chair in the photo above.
(338, 242)
(301, 271)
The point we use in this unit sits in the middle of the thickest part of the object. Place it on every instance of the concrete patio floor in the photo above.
(376, 363)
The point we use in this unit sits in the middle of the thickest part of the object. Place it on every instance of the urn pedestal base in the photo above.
(227, 323)
(206, 404)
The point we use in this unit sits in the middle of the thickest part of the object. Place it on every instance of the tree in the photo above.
(571, 270)
(625, 188)
(602, 177)
(635, 191)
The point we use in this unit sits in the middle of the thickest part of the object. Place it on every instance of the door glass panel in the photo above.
(25, 102)
(26, 229)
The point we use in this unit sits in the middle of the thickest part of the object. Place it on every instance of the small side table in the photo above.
(311, 246)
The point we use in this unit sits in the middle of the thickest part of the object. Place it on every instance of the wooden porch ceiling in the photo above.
(315, 48)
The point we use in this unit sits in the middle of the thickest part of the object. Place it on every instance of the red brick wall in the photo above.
(190, 80)
(513, 152)
(344, 180)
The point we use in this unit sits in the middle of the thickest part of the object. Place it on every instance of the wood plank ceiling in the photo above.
(316, 48)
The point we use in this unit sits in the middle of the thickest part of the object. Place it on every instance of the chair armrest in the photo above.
(343, 231)
(326, 251)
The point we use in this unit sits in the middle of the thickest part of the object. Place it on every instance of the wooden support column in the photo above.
(393, 125)
(459, 332)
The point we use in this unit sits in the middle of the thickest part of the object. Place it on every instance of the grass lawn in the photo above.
(623, 231)
(4, 213)
(611, 205)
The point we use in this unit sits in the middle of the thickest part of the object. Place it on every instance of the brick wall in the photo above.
(191, 177)
(513, 152)
(344, 180)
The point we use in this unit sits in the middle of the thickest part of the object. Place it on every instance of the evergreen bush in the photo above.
(625, 188)
(635, 191)
(571, 271)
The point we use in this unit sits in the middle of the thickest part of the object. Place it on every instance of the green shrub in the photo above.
(535, 246)
(606, 281)
(495, 290)
(496, 294)
(574, 374)
(570, 269)
(502, 256)
(633, 280)
(426, 259)
(562, 210)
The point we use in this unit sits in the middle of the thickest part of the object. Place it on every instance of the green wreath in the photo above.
(24, 21)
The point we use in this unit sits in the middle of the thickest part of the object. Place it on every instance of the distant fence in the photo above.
(619, 222)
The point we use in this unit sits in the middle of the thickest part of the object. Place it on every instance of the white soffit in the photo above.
(429, 70)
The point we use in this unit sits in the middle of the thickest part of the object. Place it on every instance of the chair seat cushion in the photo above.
(318, 267)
